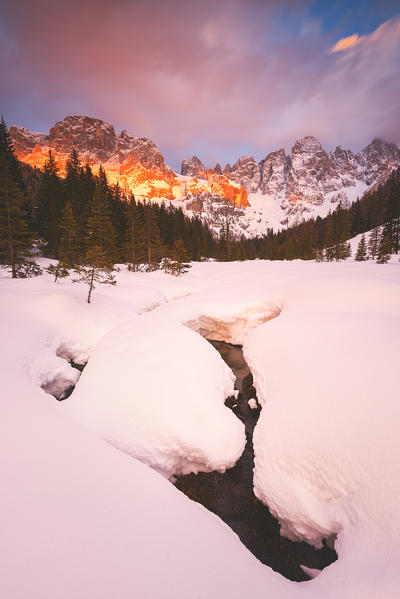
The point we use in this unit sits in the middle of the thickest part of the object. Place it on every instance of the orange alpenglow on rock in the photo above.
(133, 162)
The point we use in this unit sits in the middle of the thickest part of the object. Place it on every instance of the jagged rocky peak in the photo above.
(141, 149)
(309, 143)
(379, 149)
(25, 140)
(227, 169)
(309, 176)
(246, 172)
(307, 153)
(218, 169)
(274, 173)
(377, 160)
(87, 134)
(193, 167)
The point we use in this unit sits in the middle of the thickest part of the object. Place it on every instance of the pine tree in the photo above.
(97, 269)
(373, 242)
(100, 231)
(15, 238)
(153, 244)
(342, 250)
(179, 258)
(70, 244)
(79, 186)
(384, 250)
(225, 241)
(134, 235)
(70, 249)
(50, 205)
(7, 146)
(100, 244)
(361, 254)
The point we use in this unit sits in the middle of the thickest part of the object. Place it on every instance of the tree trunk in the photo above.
(148, 241)
(10, 239)
(91, 285)
(133, 244)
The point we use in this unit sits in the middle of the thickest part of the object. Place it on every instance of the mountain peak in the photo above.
(193, 167)
(309, 142)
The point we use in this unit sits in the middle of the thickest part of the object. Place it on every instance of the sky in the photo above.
(215, 78)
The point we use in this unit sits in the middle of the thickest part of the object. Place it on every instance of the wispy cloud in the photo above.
(346, 42)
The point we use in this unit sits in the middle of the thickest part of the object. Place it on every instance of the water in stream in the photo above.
(230, 495)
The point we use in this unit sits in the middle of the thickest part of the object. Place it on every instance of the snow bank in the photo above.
(156, 390)
(81, 519)
(326, 445)
(78, 518)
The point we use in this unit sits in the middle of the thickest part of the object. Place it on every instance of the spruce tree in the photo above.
(361, 254)
(134, 235)
(70, 248)
(179, 259)
(97, 269)
(225, 241)
(15, 239)
(342, 250)
(373, 242)
(153, 244)
(50, 205)
(100, 244)
(384, 250)
(79, 186)
(100, 231)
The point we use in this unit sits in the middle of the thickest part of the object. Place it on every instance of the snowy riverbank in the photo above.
(82, 519)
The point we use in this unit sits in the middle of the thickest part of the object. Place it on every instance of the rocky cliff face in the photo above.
(285, 189)
(246, 172)
(193, 167)
(310, 173)
(311, 177)
(134, 162)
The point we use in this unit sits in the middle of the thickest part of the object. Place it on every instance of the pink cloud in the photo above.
(216, 75)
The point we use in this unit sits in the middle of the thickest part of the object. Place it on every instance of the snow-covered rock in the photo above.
(145, 391)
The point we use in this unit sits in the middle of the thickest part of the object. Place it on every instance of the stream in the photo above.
(230, 495)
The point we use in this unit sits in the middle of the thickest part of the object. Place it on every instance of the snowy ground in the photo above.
(82, 519)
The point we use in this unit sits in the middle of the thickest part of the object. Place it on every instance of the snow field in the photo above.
(82, 519)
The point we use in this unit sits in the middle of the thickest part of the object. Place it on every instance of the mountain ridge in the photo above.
(278, 191)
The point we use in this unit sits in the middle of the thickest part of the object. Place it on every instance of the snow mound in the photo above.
(156, 391)
(326, 444)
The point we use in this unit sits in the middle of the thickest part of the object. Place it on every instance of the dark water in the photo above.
(67, 393)
(230, 495)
